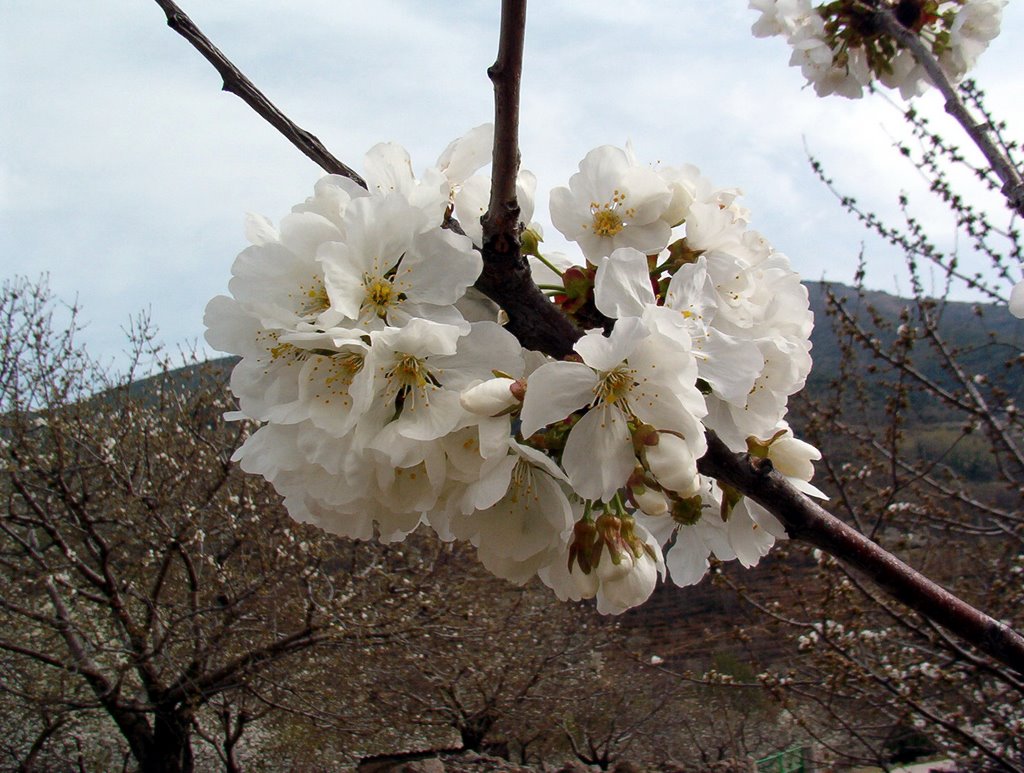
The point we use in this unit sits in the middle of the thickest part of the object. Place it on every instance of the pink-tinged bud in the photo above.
(489, 398)
(673, 464)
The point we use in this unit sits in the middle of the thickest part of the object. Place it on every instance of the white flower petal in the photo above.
(622, 286)
(554, 391)
(598, 455)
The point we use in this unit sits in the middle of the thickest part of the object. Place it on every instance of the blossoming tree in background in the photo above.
(414, 357)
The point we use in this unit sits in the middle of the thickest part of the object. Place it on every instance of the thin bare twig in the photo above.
(236, 83)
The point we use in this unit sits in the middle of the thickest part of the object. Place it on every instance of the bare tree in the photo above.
(491, 671)
(144, 582)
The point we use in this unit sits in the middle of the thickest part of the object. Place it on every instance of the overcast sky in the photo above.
(125, 172)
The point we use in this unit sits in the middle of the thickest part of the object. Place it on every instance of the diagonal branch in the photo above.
(806, 521)
(236, 83)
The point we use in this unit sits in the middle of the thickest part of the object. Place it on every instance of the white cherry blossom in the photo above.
(841, 57)
(634, 374)
(612, 202)
(388, 270)
(391, 398)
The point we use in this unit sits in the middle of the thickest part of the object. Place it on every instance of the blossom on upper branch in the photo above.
(841, 48)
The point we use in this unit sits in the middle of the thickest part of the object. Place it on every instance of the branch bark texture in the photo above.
(506, 277)
(239, 85)
(804, 520)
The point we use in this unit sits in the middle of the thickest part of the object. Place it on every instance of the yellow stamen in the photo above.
(615, 385)
(314, 298)
(410, 372)
(607, 222)
(380, 296)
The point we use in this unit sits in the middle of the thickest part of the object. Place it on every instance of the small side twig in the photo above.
(236, 83)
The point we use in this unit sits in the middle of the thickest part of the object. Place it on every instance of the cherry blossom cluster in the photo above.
(390, 396)
(841, 48)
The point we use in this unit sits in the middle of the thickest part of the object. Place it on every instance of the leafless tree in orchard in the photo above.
(514, 673)
(149, 590)
(496, 668)
(642, 714)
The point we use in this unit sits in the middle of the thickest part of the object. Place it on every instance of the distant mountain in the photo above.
(985, 335)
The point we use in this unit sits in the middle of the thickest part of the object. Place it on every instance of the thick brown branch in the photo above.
(506, 279)
(236, 83)
(805, 520)
(534, 321)
(230, 673)
(501, 223)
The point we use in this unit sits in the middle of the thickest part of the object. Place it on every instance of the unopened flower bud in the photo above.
(530, 240)
(673, 464)
(651, 501)
(489, 398)
(793, 457)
